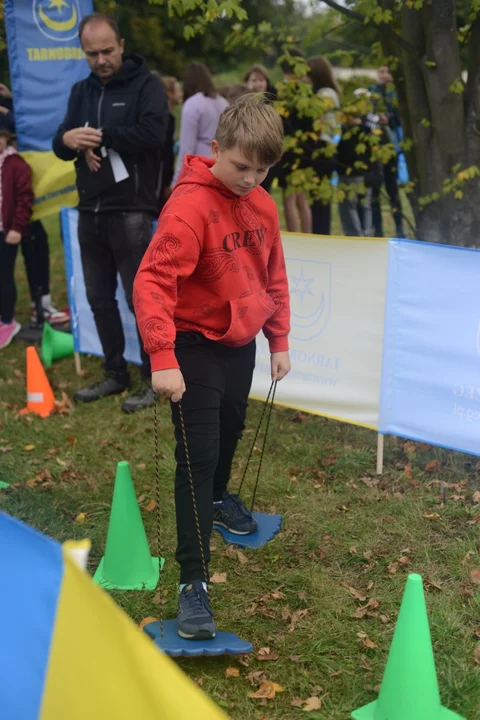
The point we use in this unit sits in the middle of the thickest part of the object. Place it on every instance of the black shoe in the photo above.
(143, 398)
(110, 385)
(232, 515)
(195, 616)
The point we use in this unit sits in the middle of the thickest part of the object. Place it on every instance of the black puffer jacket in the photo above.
(132, 111)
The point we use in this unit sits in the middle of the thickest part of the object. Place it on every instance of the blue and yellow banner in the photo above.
(67, 652)
(45, 60)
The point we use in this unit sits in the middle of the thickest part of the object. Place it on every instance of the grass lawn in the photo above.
(342, 525)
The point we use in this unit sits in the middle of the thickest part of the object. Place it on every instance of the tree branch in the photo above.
(352, 14)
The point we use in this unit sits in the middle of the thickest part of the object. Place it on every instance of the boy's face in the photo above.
(239, 174)
(3, 142)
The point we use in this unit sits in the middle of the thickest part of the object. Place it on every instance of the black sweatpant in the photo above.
(391, 186)
(36, 256)
(218, 380)
(112, 243)
(8, 289)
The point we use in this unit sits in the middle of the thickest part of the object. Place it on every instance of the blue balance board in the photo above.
(268, 527)
(173, 645)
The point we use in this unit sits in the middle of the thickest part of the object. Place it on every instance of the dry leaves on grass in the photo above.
(146, 621)
(312, 703)
(81, 517)
(476, 497)
(475, 576)
(467, 557)
(6, 448)
(365, 640)
(355, 593)
(476, 654)
(408, 471)
(257, 677)
(266, 691)
(219, 578)
(29, 448)
(151, 505)
(266, 654)
(367, 609)
(232, 672)
(63, 406)
(370, 482)
(296, 617)
(432, 466)
(431, 516)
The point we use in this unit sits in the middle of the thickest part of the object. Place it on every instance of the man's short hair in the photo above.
(98, 17)
(253, 126)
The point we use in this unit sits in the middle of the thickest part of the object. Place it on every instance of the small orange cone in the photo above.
(40, 399)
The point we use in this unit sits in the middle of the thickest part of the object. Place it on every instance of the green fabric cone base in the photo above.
(148, 584)
(4, 485)
(409, 689)
(55, 345)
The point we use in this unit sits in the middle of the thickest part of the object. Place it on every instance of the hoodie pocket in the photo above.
(248, 315)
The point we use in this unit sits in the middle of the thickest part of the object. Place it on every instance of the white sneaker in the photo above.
(50, 312)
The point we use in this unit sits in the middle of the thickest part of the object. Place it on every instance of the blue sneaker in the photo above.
(195, 616)
(232, 515)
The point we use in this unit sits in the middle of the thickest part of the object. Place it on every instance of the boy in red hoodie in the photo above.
(213, 277)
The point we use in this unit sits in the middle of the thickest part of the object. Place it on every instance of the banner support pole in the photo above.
(380, 448)
(78, 364)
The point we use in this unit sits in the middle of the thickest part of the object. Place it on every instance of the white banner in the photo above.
(337, 295)
(337, 289)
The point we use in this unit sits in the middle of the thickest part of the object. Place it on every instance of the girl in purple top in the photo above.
(200, 114)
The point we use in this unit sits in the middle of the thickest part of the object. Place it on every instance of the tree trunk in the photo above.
(442, 124)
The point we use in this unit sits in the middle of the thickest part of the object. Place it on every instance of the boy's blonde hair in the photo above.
(253, 126)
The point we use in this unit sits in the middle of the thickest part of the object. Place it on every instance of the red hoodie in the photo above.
(215, 266)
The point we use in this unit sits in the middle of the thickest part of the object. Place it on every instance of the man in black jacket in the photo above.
(114, 128)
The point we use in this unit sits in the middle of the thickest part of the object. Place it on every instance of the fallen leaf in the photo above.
(367, 609)
(366, 642)
(370, 482)
(298, 702)
(313, 703)
(385, 619)
(219, 577)
(431, 584)
(232, 672)
(141, 466)
(356, 594)
(266, 691)
(408, 471)
(146, 621)
(431, 516)
(61, 462)
(6, 448)
(151, 505)
(296, 617)
(257, 677)
(267, 654)
(242, 559)
(80, 518)
(336, 673)
(29, 448)
(392, 568)
(476, 497)
(432, 466)
(295, 658)
(141, 499)
(353, 551)
(475, 576)
(466, 557)
(476, 654)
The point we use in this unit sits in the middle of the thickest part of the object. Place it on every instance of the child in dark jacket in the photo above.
(16, 201)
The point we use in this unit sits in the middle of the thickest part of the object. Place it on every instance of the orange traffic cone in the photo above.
(40, 399)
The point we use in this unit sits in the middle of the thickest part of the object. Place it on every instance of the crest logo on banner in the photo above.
(57, 19)
(310, 294)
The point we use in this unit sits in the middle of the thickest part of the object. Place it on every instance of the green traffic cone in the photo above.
(4, 485)
(127, 563)
(409, 689)
(55, 345)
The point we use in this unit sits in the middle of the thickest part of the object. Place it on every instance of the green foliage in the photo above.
(457, 86)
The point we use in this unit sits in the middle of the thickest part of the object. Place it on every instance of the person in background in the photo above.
(174, 93)
(234, 92)
(120, 108)
(201, 112)
(327, 89)
(293, 124)
(385, 103)
(257, 80)
(34, 243)
(16, 202)
(355, 170)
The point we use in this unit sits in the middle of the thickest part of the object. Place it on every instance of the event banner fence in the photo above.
(385, 334)
(45, 60)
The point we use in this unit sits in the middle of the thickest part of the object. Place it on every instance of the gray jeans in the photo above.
(348, 209)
